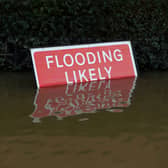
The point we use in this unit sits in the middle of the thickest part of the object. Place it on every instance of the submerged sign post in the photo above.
(83, 63)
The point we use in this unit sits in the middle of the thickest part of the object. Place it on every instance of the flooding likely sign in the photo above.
(83, 63)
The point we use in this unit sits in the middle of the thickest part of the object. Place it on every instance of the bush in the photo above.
(27, 24)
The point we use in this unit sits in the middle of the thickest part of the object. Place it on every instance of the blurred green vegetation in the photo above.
(27, 24)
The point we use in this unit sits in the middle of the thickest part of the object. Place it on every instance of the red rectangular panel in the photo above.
(83, 63)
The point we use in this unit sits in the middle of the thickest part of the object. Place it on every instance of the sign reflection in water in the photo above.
(91, 97)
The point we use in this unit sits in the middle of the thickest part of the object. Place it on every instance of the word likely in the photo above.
(92, 73)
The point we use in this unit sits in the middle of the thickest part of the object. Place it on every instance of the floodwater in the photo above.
(115, 123)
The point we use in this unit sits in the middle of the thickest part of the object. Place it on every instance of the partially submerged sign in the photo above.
(83, 63)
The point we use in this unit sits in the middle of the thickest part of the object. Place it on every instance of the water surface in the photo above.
(135, 134)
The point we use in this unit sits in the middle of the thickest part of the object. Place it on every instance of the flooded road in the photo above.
(121, 125)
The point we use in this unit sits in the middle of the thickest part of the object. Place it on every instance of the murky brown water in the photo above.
(117, 127)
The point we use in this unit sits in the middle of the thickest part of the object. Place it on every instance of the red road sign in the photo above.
(83, 63)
